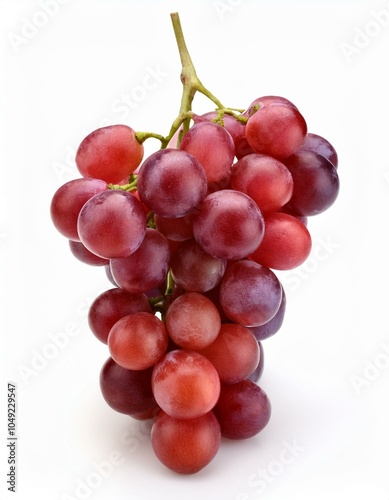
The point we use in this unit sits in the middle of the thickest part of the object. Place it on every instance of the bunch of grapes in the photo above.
(190, 238)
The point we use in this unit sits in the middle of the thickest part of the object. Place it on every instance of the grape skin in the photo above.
(229, 225)
(250, 294)
(110, 153)
(127, 391)
(185, 384)
(185, 446)
(172, 183)
(138, 341)
(146, 268)
(112, 305)
(68, 201)
(112, 224)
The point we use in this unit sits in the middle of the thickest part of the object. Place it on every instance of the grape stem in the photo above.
(191, 84)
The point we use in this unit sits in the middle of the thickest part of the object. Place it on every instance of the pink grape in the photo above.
(112, 305)
(229, 225)
(250, 294)
(266, 180)
(185, 446)
(276, 130)
(138, 341)
(243, 410)
(213, 146)
(172, 183)
(195, 270)
(112, 224)
(234, 353)
(315, 181)
(127, 391)
(287, 242)
(146, 268)
(185, 384)
(110, 153)
(68, 201)
(267, 100)
(192, 321)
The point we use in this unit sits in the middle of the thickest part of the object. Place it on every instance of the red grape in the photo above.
(277, 130)
(257, 373)
(266, 180)
(185, 446)
(185, 384)
(81, 253)
(192, 321)
(213, 146)
(67, 202)
(234, 353)
(172, 183)
(315, 181)
(177, 229)
(112, 224)
(229, 225)
(243, 410)
(195, 270)
(138, 341)
(146, 268)
(321, 146)
(112, 305)
(127, 391)
(272, 326)
(110, 153)
(250, 294)
(286, 244)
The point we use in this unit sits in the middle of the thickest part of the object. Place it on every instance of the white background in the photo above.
(326, 371)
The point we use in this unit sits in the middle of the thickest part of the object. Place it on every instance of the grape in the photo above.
(146, 268)
(110, 153)
(321, 146)
(172, 183)
(267, 100)
(213, 146)
(185, 446)
(315, 181)
(67, 202)
(229, 225)
(243, 410)
(257, 373)
(277, 130)
(112, 224)
(234, 353)
(185, 384)
(178, 229)
(266, 180)
(112, 305)
(127, 391)
(84, 255)
(138, 341)
(192, 321)
(250, 294)
(194, 270)
(272, 326)
(286, 244)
